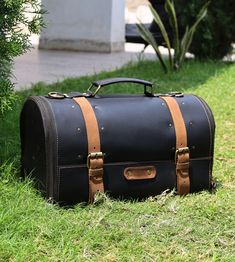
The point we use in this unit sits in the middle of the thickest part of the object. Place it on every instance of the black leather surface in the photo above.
(110, 81)
(33, 157)
(74, 181)
(133, 129)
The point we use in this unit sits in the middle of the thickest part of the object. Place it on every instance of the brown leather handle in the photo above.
(109, 81)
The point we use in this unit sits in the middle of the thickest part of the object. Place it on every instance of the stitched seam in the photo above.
(210, 150)
(40, 105)
(134, 163)
(57, 154)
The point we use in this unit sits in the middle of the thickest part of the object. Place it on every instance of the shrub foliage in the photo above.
(18, 19)
(216, 33)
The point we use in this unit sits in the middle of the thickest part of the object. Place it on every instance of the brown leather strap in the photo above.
(92, 129)
(95, 159)
(182, 151)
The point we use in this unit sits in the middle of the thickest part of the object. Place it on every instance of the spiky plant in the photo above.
(180, 45)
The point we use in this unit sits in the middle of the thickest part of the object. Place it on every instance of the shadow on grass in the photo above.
(191, 76)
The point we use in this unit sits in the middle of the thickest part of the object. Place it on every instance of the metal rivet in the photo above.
(102, 128)
(149, 172)
(170, 125)
(163, 104)
(173, 148)
(193, 147)
(95, 107)
(129, 173)
(79, 129)
(190, 123)
(183, 103)
(79, 156)
(73, 106)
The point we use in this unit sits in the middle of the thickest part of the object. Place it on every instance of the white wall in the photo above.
(88, 25)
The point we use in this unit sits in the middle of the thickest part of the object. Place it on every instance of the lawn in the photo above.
(198, 227)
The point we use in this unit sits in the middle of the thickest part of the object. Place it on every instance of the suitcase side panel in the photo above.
(198, 126)
(202, 122)
(211, 122)
(39, 145)
(32, 135)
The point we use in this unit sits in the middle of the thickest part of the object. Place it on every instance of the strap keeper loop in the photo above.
(94, 155)
(181, 151)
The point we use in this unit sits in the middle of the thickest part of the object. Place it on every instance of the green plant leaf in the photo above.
(170, 9)
(183, 44)
(162, 28)
(148, 37)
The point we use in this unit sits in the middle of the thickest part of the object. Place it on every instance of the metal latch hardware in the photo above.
(148, 93)
(94, 155)
(181, 150)
(57, 95)
(176, 94)
(89, 90)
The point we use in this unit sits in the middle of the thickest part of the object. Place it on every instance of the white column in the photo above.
(86, 25)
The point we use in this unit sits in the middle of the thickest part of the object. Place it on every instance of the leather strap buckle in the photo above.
(179, 151)
(182, 170)
(94, 155)
(95, 162)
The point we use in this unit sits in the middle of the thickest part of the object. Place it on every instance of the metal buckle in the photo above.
(179, 95)
(176, 94)
(57, 95)
(181, 150)
(89, 90)
(94, 155)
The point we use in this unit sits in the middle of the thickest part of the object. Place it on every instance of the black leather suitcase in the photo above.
(129, 146)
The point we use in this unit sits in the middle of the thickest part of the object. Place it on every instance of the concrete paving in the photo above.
(51, 66)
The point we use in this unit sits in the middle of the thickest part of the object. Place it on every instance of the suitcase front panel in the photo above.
(131, 129)
(73, 185)
(135, 131)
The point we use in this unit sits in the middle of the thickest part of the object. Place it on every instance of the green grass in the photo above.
(198, 227)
